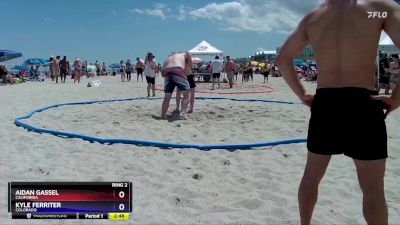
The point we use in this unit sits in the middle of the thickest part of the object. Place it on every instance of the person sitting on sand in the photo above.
(7, 78)
(32, 73)
(173, 72)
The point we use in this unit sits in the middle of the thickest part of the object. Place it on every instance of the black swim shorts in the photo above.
(216, 75)
(347, 121)
(150, 80)
(190, 79)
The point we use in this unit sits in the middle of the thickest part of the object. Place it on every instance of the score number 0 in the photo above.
(121, 206)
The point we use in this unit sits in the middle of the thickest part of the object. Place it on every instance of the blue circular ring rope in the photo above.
(18, 122)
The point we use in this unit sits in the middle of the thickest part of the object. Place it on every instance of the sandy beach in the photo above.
(182, 186)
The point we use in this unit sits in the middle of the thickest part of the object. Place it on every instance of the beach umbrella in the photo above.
(21, 67)
(36, 62)
(299, 62)
(7, 55)
(114, 66)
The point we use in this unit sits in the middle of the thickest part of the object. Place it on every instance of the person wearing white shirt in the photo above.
(150, 67)
(216, 69)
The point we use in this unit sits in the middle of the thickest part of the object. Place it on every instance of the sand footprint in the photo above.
(185, 192)
(250, 204)
(271, 197)
(219, 209)
(179, 201)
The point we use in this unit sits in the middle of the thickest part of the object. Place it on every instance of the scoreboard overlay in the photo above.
(70, 200)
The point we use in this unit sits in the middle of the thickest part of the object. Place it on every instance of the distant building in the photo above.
(242, 60)
(306, 54)
(265, 56)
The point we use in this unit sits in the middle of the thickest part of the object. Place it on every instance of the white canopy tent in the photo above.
(205, 49)
(385, 39)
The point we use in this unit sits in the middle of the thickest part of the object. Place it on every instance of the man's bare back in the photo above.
(176, 60)
(345, 40)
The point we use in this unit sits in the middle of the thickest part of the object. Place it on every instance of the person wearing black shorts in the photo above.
(151, 80)
(216, 69)
(347, 114)
(150, 73)
(265, 72)
(151, 85)
(139, 68)
(128, 70)
(351, 117)
(64, 67)
(192, 97)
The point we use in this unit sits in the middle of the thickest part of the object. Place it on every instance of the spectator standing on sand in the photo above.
(139, 68)
(216, 69)
(150, 73)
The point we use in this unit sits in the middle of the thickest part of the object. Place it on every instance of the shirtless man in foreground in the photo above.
(347, 116)
(173, 71)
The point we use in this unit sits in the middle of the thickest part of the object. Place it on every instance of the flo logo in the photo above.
(379, 15)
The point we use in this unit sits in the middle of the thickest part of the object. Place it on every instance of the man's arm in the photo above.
(292, 47)
(189, 59)
(164, 66)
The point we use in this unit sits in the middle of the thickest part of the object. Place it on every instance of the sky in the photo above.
(114, 30)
